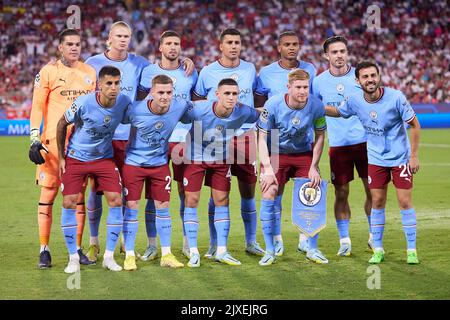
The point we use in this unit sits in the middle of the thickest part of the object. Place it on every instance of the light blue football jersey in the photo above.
(94, 126)
(295, 127)
(384, 122)
(210, 135)
(148, 144)
(131, 70)
(183, 86)
(333, 90)
(273, 79)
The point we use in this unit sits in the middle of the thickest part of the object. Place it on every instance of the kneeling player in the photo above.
(295, 116)
(216, 122)
(89, 152)
(152, 122)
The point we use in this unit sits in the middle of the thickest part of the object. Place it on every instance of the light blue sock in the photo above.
(312, 242)
(182, 213)
(267, 223)
(277, 214)
(130, 228)
(222, 224)
(368, 220)
(409, 227)
(69, 228)
(94, 207)
(342, 226)
(191, 226)
(114, 225)
(164, 226)
(212, 229)
(377, 221)
(150, 217)
(249, 217)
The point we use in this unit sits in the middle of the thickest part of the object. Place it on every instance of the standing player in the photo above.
(347, 138)
(89, 152)
(170, 48)
(244, 73)
(130, 66)
(383, 112)
(152, 122)
(214, 126)
(296, 116)
(55, 88)
(273, 80)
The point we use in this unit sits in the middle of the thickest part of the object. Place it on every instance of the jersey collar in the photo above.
(107, 57)
(342, 75)
(149, 103)
(214, 110)
(381, 96)
(281, 66)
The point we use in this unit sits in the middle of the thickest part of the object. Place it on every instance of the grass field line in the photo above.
(436, 164)
(435, 145)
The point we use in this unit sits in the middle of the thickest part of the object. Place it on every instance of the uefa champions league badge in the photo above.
(309, 206)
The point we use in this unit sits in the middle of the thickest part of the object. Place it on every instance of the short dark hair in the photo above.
(332, 40)
(168, 33)
(67, 32)
(364, 65)
(229, 31)
(161, 79)
(227, 82)
(108, 71)
(289, 33)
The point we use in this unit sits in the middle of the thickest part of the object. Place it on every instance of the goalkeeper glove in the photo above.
(35, 148)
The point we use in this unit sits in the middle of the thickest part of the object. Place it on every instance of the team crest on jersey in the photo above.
(219, 128)
(340, 88)
(373, 115)
(174, 80)
(37, 80)
(159, 125)
(88, 80)
(73, 107)
(295, 121)
(107, 119)
(234, 76)
(309, 196)
(264, 115)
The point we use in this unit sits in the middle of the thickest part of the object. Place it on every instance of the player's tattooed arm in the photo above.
(414, 135)
(61, 132)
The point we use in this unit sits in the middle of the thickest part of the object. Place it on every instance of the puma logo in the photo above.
(61, 79)
(116, 234)
(45, 214)
(71, 237)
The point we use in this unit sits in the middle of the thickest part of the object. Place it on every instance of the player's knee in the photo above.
(191, 201)
(271, 193)
(48, 195)
(70, 202)
(341, 193)
(114, 200)
(133, 205)
(246, 190)
(405, 204)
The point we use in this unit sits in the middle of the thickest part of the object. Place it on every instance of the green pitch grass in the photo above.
(293, 277)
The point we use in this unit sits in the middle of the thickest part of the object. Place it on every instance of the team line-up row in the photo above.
(124, 133)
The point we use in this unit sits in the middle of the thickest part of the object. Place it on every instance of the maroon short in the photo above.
(344, 159)
(243, 165)
(176, 152)
(292, 165)
(104, 171)
(218, 175)
(379, 177)
(157, 182)
(119, 148)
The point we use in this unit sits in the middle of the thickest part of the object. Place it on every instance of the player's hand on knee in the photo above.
(267, 180)
(35, 152)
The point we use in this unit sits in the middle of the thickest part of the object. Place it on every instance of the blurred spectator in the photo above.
(411, 47)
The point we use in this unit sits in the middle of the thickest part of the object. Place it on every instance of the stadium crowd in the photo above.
(411, 45)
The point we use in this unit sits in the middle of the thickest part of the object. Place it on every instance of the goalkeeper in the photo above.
(56, 86)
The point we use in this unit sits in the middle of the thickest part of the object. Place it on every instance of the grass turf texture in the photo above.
(293, 277)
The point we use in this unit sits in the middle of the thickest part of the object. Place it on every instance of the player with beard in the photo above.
(383, 113)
